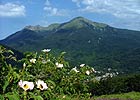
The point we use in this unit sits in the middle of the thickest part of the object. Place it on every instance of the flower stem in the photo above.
(25, 95)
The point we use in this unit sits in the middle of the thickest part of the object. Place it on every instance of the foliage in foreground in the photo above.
(53, 75)
(44, 76)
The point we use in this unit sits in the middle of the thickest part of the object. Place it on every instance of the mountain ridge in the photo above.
(85, 41)
(74, 21)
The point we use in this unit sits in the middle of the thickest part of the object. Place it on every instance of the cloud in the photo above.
(11, 10)
(118, 8)
(77, 2)
(53, 11)
(125, 12)
(127, 24)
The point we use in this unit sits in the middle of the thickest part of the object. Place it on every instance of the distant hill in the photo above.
(18, 55)
(85, 41)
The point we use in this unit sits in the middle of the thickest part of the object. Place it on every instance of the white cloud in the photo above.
(88, 2)
(11, 10)
(118, 8)
(125, 12)
(126, 24)
(53, 11)
(77, 2)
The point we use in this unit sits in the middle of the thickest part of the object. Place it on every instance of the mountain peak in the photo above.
(34, 28)
(75, 23)
(79, 18)
(80, 22)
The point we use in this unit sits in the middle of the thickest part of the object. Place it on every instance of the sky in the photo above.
(16, 14)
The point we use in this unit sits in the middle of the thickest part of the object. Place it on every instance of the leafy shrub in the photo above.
(53, 71)
(44, 76)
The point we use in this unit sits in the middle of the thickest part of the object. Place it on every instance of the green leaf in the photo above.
(5, 85)
(10, 51)
(38, 98)
(1, 97)
(13, 96)
(63, 53)
(52, 82)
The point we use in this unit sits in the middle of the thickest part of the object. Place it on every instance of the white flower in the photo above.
(111, 75)
(98, 78)
(56, 63)
(46, 50)
(117, 73)
(87, 72)
(59, 65)
(103, 76)
(64, 97)
(107, 74)
(20, 83)
(48, 60)
(32, 60)
(44, 61)
(93, 70)
(41, 85)
(109, 69)
(24, 65)
(74, 69)
(98, 72)
(26, 85)
(82, 65)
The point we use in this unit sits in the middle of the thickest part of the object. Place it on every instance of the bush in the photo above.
(55, 75)
(43, 76)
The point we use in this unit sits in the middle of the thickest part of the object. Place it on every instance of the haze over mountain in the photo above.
(85, 41)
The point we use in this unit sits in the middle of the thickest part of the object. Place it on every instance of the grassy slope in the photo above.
(123, 96)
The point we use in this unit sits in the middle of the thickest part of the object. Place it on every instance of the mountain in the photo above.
(85, 41)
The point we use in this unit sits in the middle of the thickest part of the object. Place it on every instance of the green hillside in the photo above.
(84, 41)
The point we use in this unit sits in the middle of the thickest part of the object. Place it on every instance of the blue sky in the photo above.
(16, 14)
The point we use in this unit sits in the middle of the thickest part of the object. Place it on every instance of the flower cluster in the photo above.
(75, 69)
(87, 72)
(33, 61)
(82, 65)
(25, 85)
(59, 65)
(46, 50)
